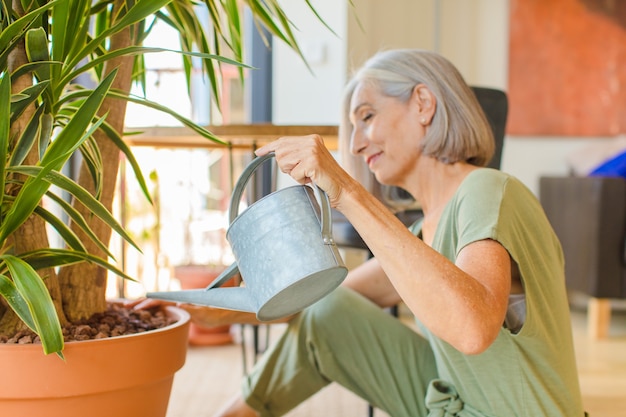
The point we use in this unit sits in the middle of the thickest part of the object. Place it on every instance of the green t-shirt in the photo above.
(532, 373)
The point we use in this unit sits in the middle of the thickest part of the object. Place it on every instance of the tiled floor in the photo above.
(212, 374)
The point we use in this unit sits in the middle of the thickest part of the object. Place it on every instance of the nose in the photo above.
(358, 141)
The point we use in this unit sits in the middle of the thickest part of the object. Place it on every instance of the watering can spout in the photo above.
(231, 298)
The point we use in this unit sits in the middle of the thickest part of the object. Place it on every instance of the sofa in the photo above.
(588, 215)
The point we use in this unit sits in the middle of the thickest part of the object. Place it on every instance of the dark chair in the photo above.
(495, 105)
(588, 215)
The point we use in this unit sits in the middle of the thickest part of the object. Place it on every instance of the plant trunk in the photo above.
(32, 234)
(84, 285)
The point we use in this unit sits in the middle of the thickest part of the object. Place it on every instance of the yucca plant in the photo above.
(47, 116)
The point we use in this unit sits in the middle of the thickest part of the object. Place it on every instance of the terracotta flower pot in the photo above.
(126, 376)
(200, 276)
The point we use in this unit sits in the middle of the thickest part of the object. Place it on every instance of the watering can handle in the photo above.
(233, 209)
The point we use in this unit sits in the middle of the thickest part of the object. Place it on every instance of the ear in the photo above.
(426, 103)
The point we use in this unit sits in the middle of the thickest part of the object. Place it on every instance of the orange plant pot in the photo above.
(200, 276)
(126, 376)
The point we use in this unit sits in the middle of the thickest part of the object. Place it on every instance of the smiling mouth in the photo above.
(371, 159)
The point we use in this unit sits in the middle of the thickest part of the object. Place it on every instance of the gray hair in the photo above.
(459, 130)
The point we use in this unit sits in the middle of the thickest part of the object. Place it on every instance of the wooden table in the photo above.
(245, 136)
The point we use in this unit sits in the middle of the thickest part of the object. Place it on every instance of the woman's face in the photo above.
(386, 132)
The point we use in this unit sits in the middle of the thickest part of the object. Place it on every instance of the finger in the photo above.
(267, 148)
(262, 151)
(298, 172)
(282, 145)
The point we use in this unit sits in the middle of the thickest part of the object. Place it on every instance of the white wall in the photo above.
(473, 34)
(528, 158)
(303, 96)
(374, 25)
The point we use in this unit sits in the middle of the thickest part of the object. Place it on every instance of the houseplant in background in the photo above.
(48, 115)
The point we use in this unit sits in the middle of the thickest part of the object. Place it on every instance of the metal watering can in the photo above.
(284, 252)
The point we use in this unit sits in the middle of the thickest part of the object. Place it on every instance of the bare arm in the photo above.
(369, 280)
(463, 303)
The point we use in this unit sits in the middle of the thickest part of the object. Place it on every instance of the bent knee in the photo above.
(341, 304)
(334, 303)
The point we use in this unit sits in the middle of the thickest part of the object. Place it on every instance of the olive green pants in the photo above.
(344, 338)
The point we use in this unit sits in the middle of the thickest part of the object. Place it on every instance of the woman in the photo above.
(482, 271)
